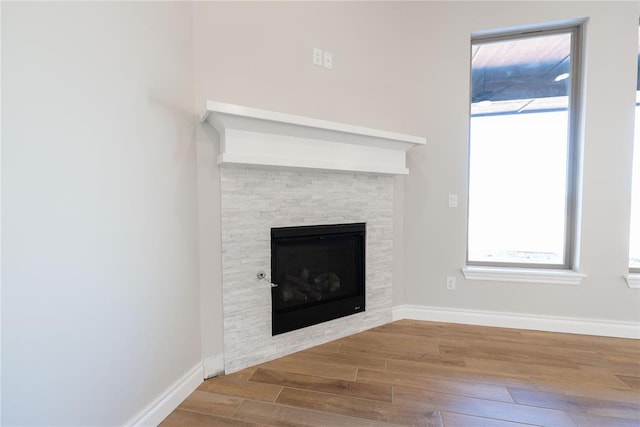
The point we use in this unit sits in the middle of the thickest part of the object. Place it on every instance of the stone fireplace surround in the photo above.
(261, 190)
(256, 199)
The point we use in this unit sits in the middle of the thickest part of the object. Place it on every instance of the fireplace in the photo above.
(319, 273)
(281, 170)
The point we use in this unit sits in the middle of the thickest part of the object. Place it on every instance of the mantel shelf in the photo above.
(259, 137)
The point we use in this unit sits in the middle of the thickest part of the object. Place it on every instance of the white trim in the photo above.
(248, 159)
(570, 325)
(168, 401)
(633, 280)
(213, 366)
(249, 136)
(525, 275)
(273, 116)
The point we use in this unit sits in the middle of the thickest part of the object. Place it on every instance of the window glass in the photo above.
(521, 142)
(634, 247)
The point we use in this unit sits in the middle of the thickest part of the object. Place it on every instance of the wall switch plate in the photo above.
(453, 200)
(317, 56)
(328, 60)
(451, 283)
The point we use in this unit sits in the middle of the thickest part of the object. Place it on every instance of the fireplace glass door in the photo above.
(319, 272)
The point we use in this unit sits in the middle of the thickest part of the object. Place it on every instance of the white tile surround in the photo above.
(254, 199)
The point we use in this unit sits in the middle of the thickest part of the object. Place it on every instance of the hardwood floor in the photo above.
(431, 374)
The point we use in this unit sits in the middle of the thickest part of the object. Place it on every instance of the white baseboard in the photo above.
(519, 321)
(213, 366)
(158, 410)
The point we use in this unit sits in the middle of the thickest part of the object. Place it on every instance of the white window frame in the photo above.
(633, 277)
(566, 273)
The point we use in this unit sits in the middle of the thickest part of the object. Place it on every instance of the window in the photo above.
(634, 247)
(523, 144)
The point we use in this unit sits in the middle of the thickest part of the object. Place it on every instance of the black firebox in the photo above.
(319, 271)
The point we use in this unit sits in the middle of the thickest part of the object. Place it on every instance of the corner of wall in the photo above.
(213, 366)
(168, 401)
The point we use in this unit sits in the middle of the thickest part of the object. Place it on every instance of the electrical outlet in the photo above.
(451, 283)
(328, 60)
(317, 56)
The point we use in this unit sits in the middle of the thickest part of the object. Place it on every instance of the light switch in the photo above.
(453, 200)
(317, 56)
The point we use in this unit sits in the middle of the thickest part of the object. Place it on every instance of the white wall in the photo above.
(100, 297)
(259, 54)
(404, 66)
(210, 250)
(435, 241)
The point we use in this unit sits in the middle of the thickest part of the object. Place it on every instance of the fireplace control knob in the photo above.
(262, 276)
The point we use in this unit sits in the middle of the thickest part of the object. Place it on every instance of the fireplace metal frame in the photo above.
(323, 311)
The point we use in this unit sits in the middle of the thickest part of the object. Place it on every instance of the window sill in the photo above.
(526, 275)
(633, 280)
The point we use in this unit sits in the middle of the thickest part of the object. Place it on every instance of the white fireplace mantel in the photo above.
(251, 136)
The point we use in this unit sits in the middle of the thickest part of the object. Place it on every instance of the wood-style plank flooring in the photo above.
(431, 374)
